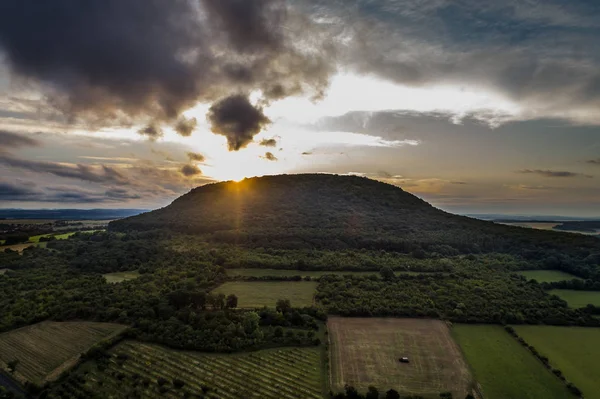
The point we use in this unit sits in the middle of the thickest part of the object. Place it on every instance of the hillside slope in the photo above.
(330, 211)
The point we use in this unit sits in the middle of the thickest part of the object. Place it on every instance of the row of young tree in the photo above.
(373, 393)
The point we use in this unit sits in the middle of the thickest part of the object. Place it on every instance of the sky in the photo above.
(477, 106)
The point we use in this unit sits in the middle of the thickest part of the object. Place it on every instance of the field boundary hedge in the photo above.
(545, 361)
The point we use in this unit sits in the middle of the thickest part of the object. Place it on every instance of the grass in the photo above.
(578, 299)
(47, 349)
(366, 351)
(285, 373)
(573, 350)
(256, 294)
(547, 276)
(504, 368)
(113, 278)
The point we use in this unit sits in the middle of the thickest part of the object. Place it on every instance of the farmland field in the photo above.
(503, 367)
(365, 351)
(578, 299)
(573, 350)
(547, 276)
(258, 294)
(286, 373)
(46, 349)
(119, 277)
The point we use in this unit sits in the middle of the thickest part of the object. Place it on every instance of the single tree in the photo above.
(283, 305)
(231, 302)
(387, 273)
(392, 394)
(372, 393)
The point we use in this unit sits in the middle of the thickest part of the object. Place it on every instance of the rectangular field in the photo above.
(578, 299)
(548, 276)
(366, 351)
(119, 277)
(46, 349)
(284, 373)
(503, 368)
(256, 294)
(573, 350)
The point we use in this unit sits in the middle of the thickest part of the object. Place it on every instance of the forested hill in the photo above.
(330, 211)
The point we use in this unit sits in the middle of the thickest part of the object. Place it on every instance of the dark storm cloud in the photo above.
(195, 157)
(13, 192)
(190, 170)
(185, 127)
(552, 173)
(268, 143)
(269, 157)
(238, 120)
(101, 174)
(115, 61)
(593, 161)
(13, 140)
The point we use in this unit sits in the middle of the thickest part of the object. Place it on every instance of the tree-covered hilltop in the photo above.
(319, 211)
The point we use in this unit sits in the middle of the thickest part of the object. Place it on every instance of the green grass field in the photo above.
(256, 294)
(113, 278)
(578, 299)
(503, 367)
(573, 350)
(547, 276)
(285, 373)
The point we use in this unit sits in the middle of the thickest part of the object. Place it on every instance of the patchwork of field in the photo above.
(46, 349)
(573, 350)
(286, 373)
(366, 351)
(548, 276)
(256, 294)
(113, 278)
(503, 367)
(578, 299)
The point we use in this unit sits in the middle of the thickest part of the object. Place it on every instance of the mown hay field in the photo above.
(578, 299)
(256, 294)
(46, 349)
(573, 350)
(548, 276)
(503, 367)
(366, 351)
(135, 369)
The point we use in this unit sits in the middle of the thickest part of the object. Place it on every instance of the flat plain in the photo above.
(503, 368)
(578, 299)
(548, 276)
(284, 373)
(366, 351)
(256, 294)
(46, 349)
(573, 350)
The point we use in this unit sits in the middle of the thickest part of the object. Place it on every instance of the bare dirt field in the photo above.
(366, 351)
(46, 349)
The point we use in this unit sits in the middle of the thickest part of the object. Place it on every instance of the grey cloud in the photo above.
(190, 170)
(101, 174)
(152, 131)
(185, 127)
(268, 143)
(12, 192)
(28, 192)
(14, 140)
(269, 156)
(238, 120)
(552, 173)
(196, 157)
(593, 161)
